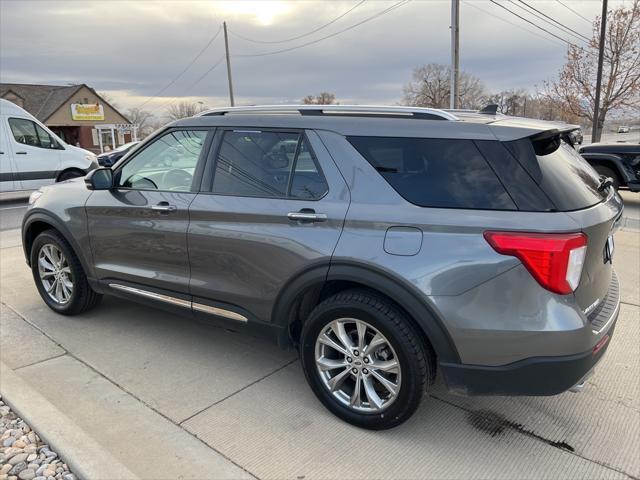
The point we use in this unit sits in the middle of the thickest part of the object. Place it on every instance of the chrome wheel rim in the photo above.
(358, 365)
(55, 274)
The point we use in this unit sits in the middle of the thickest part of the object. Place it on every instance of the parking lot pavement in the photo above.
(169, 397)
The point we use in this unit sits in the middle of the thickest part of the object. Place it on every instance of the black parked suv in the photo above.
(619, 161)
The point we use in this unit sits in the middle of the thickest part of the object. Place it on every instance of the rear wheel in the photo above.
(59, 277)
(609, 172)
(364, 361)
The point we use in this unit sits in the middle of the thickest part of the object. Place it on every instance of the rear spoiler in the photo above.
(549, 141)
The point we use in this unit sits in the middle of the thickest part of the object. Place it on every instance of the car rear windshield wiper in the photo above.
(605, 182)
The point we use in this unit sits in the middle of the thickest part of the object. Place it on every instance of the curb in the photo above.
(85, 457)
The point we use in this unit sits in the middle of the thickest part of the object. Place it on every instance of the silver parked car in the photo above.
(388, 244)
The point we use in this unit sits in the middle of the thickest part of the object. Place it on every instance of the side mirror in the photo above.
(99, 179)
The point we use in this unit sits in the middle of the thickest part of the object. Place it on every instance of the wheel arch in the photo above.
(312, 286)
(79, 171)
(38, 222)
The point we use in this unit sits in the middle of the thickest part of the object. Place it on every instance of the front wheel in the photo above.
(59, 277)
(364, 360)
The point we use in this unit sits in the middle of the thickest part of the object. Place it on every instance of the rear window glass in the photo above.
(435, 172)
(564, 176)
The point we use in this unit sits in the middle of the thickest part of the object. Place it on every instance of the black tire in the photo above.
(83, 297)
(609, 172)
(69, 174)
(415, 358)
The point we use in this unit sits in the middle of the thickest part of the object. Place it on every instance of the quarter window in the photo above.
(432, 172)
(168, 163)
(267, 164)
(30, 133)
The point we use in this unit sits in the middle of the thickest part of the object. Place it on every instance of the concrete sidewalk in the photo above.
(170, 398)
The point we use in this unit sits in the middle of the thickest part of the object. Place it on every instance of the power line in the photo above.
(550, 19)
(535, 24)
(540, 17)
(471, 4)
(190, 87)
(304, 34)
(572, 10)
(383, 12)
(163, 89)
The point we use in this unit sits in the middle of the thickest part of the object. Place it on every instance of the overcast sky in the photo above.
(133, 49)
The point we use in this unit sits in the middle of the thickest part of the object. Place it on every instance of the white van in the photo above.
(31, 155)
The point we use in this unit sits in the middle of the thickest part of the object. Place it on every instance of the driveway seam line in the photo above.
(90, 367)
(40, 361)
(541, 439)
(238, 391)
(632, 304)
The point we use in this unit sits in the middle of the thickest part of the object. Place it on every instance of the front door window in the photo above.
(167, 164)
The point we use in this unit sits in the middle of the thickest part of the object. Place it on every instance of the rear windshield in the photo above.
(436, 172)
(563, 175)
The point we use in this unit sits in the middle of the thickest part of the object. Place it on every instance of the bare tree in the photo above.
(430, 87)
(324, 98)
(143, 119)
(511, 102)
(574, 89)
(184, 109)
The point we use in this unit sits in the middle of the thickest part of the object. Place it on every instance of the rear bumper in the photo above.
(533, 376)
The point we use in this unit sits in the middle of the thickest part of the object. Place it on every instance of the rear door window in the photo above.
(259, 163)
(436, 172)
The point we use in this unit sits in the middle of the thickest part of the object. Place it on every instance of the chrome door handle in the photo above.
(164, 207)
(307, 217)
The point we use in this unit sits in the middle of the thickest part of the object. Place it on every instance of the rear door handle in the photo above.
(164, 207)
(307, 216)
(21, 153)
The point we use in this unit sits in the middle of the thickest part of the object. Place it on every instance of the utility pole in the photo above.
(226, 49)
(455, 53)
(595, 131)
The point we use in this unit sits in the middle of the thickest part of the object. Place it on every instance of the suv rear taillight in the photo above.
(554, 259)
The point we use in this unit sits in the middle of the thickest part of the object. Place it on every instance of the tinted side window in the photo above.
(435, 172)
(260, 164)
(523, 190)
(168, 163)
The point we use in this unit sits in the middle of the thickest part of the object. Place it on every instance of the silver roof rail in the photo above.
(335, 110)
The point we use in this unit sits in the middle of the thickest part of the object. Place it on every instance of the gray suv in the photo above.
(388, 244)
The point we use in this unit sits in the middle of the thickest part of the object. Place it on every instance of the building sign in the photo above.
(87, 111)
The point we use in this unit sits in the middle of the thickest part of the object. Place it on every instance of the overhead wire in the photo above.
(522, 27)
(342, 15)
(368, 19)
(572, 10)
(189, 65)
(537, 26)
(551, 21)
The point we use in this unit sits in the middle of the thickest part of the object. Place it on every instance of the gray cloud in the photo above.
(132, 49)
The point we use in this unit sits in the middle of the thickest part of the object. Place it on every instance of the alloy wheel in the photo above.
(358, 365)
(55, 273)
